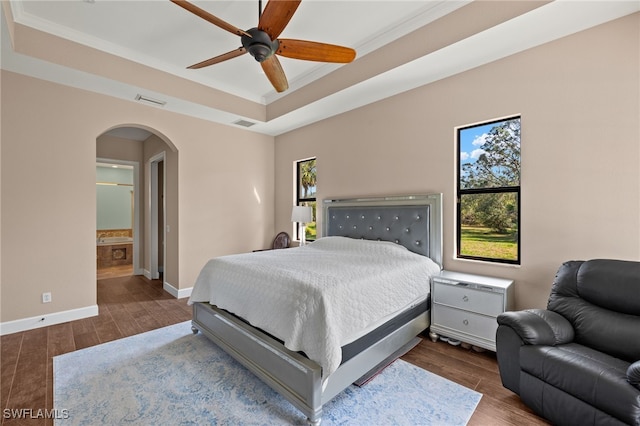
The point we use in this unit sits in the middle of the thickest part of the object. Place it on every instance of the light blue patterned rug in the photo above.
(170, 376)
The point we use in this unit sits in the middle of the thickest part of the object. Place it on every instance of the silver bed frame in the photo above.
(413, 221)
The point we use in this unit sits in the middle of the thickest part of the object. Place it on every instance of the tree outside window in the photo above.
(488, 198)
(306, 193)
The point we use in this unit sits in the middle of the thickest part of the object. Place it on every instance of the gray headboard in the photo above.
(414, 221)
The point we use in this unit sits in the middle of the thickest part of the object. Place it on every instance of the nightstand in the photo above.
(465, 306)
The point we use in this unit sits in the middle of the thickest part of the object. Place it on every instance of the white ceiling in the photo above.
(163, 36)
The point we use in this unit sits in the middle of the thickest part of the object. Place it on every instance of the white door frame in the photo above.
(137, 210)
(153, 204)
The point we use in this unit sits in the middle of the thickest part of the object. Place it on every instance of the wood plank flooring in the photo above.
(477, 371)
(115, 272)
(133, 304)
(127, 306)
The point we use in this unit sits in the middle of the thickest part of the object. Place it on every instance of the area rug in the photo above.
(170, 376)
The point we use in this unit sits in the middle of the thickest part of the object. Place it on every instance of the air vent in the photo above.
(244, 123)
(150, 101)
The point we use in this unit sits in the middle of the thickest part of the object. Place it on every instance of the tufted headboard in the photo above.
(414, 221)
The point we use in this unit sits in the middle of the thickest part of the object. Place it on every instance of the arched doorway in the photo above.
(155, 226)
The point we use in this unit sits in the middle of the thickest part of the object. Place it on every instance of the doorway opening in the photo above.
(158, 227)
(118, 218)
(155, 160)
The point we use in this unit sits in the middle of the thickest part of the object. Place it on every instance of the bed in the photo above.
(310, 321)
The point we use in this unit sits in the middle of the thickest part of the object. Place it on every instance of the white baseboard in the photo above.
(47, 319)
(177, 293)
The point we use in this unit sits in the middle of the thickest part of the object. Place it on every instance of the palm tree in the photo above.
(308, 176)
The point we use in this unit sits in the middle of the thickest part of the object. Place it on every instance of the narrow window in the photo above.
(306, 182)
(488, 193)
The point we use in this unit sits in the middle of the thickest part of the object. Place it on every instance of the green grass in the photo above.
(311, 232)
(482, 242)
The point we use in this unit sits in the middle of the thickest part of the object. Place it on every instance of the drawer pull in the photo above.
(465, 322)
(465, 298)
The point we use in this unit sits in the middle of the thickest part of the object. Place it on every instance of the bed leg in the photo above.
(194, 329)
(314, 422)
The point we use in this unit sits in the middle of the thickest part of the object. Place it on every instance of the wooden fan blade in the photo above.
(276, 16)
(209, 17)
(220, 58)
(313, 51)
(272, 68)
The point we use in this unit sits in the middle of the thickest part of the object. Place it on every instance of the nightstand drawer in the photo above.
(465, 322)
(460, 296)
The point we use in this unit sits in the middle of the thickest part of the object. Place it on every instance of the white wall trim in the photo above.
(177, 293)
(45, 320)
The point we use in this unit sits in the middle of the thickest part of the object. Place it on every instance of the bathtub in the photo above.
(114, 251)
(107, 241)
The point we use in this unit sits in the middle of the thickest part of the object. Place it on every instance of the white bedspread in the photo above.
(315, 297)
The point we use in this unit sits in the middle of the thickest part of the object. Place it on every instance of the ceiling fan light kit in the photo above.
(263, 44)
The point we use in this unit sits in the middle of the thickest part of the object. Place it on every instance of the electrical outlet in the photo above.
(46, 297)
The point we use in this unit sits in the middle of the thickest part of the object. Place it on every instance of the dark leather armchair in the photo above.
(578, 361)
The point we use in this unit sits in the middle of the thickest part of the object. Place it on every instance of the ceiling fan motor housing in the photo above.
(259, 45)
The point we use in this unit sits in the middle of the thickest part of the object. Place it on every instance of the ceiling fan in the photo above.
(263, 44)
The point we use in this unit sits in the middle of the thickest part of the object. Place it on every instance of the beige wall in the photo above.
(224, 197)
(152, 147)
(115, 148)
(579, 98)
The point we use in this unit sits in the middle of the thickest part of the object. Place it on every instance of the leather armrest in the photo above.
(633, 374)
(538, 326)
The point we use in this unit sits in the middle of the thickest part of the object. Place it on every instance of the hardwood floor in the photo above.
(133, 304)
(127, 305)
(115, 272)
(477, 371)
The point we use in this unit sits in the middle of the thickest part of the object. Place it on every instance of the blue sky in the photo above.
(471, 139)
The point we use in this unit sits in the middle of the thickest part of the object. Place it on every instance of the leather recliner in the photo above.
(578, 361)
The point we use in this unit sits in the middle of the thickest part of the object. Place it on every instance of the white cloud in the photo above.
(476, 153)
(464, 156)
(480, 140)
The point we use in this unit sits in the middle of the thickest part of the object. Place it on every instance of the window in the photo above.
(488, 193)
(306, 193)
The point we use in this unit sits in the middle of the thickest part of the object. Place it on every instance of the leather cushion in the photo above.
(611, 284)
(538, 326)
(598, 297)
(633, 374)
(591, 376)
